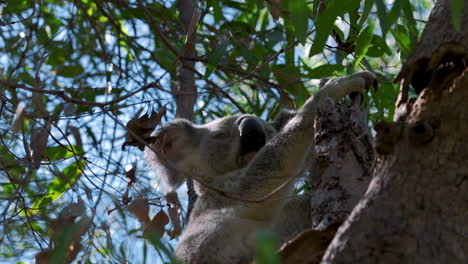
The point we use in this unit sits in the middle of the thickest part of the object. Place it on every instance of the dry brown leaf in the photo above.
(157, 225)
(174, 212)
(19, 118)
(43, 257)
(275, 8)
(68, 217)
(38, 143)
(76, 134)
(142, 127)
(73, 210)
(131, 175)
(69, 109)
(140, 209)
(190, 34)
(307, 247)
(38, 104)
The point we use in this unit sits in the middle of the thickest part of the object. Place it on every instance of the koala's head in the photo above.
(208, 150)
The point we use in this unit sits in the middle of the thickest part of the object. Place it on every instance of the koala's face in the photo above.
(212, 149)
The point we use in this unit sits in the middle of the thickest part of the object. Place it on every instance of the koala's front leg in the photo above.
(338, 88)
(284, 156)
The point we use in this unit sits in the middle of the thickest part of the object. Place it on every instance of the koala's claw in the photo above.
(375, 84)
(370, 79)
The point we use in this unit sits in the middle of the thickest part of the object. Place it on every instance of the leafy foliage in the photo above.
(75, 72)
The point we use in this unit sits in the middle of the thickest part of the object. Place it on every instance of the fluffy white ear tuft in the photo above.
(168, 152)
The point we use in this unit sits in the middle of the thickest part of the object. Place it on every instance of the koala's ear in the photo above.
(169, 147)
(167, 144)
(282, 118)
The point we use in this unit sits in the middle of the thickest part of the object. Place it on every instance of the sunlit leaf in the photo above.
(59, 152)
(59, 185)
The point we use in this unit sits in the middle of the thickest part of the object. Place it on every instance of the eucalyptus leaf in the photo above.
(299, 16)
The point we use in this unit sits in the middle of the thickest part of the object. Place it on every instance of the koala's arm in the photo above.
(283, 157)
(282, 118)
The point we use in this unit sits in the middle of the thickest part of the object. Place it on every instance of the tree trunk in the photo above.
(416, 207)
(340, 174)
(185, 90)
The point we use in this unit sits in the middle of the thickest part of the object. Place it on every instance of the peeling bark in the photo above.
(341, 170)
(340, 175)
(308, 247)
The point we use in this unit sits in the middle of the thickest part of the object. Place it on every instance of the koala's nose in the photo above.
(252, 135)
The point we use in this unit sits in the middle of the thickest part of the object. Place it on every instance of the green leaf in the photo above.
(323, 28)
(246, 53)
(299, 16)
(214, 59)
(63, 239)
(217, 12)
(70, 71)
(59, 185)
(365, 13)
(165, 57)
(59, 152)
(456, 7)
(16, 6)
(383, 17)
(322, 71)
(56, 57)
(394, 13)
(378, 47)
(402, 39)
(326, 20)
(289, 78)
(410, 22)
(266, 248)
(363, 42)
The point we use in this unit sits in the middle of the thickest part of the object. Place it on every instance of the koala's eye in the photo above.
(221, 134)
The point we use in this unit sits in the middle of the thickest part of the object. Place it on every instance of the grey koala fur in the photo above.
(246, 157)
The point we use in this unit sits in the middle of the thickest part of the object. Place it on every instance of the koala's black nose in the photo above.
(252, 135)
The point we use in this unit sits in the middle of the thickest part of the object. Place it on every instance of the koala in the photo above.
(244, 171)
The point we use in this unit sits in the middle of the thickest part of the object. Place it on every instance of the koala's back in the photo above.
(208, 234)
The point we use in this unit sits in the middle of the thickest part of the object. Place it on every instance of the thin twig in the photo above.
(69, 99)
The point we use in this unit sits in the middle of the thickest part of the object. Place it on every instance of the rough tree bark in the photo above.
(339, 176)
(416, 207)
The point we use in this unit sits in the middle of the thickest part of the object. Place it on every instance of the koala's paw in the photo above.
(370, 80)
